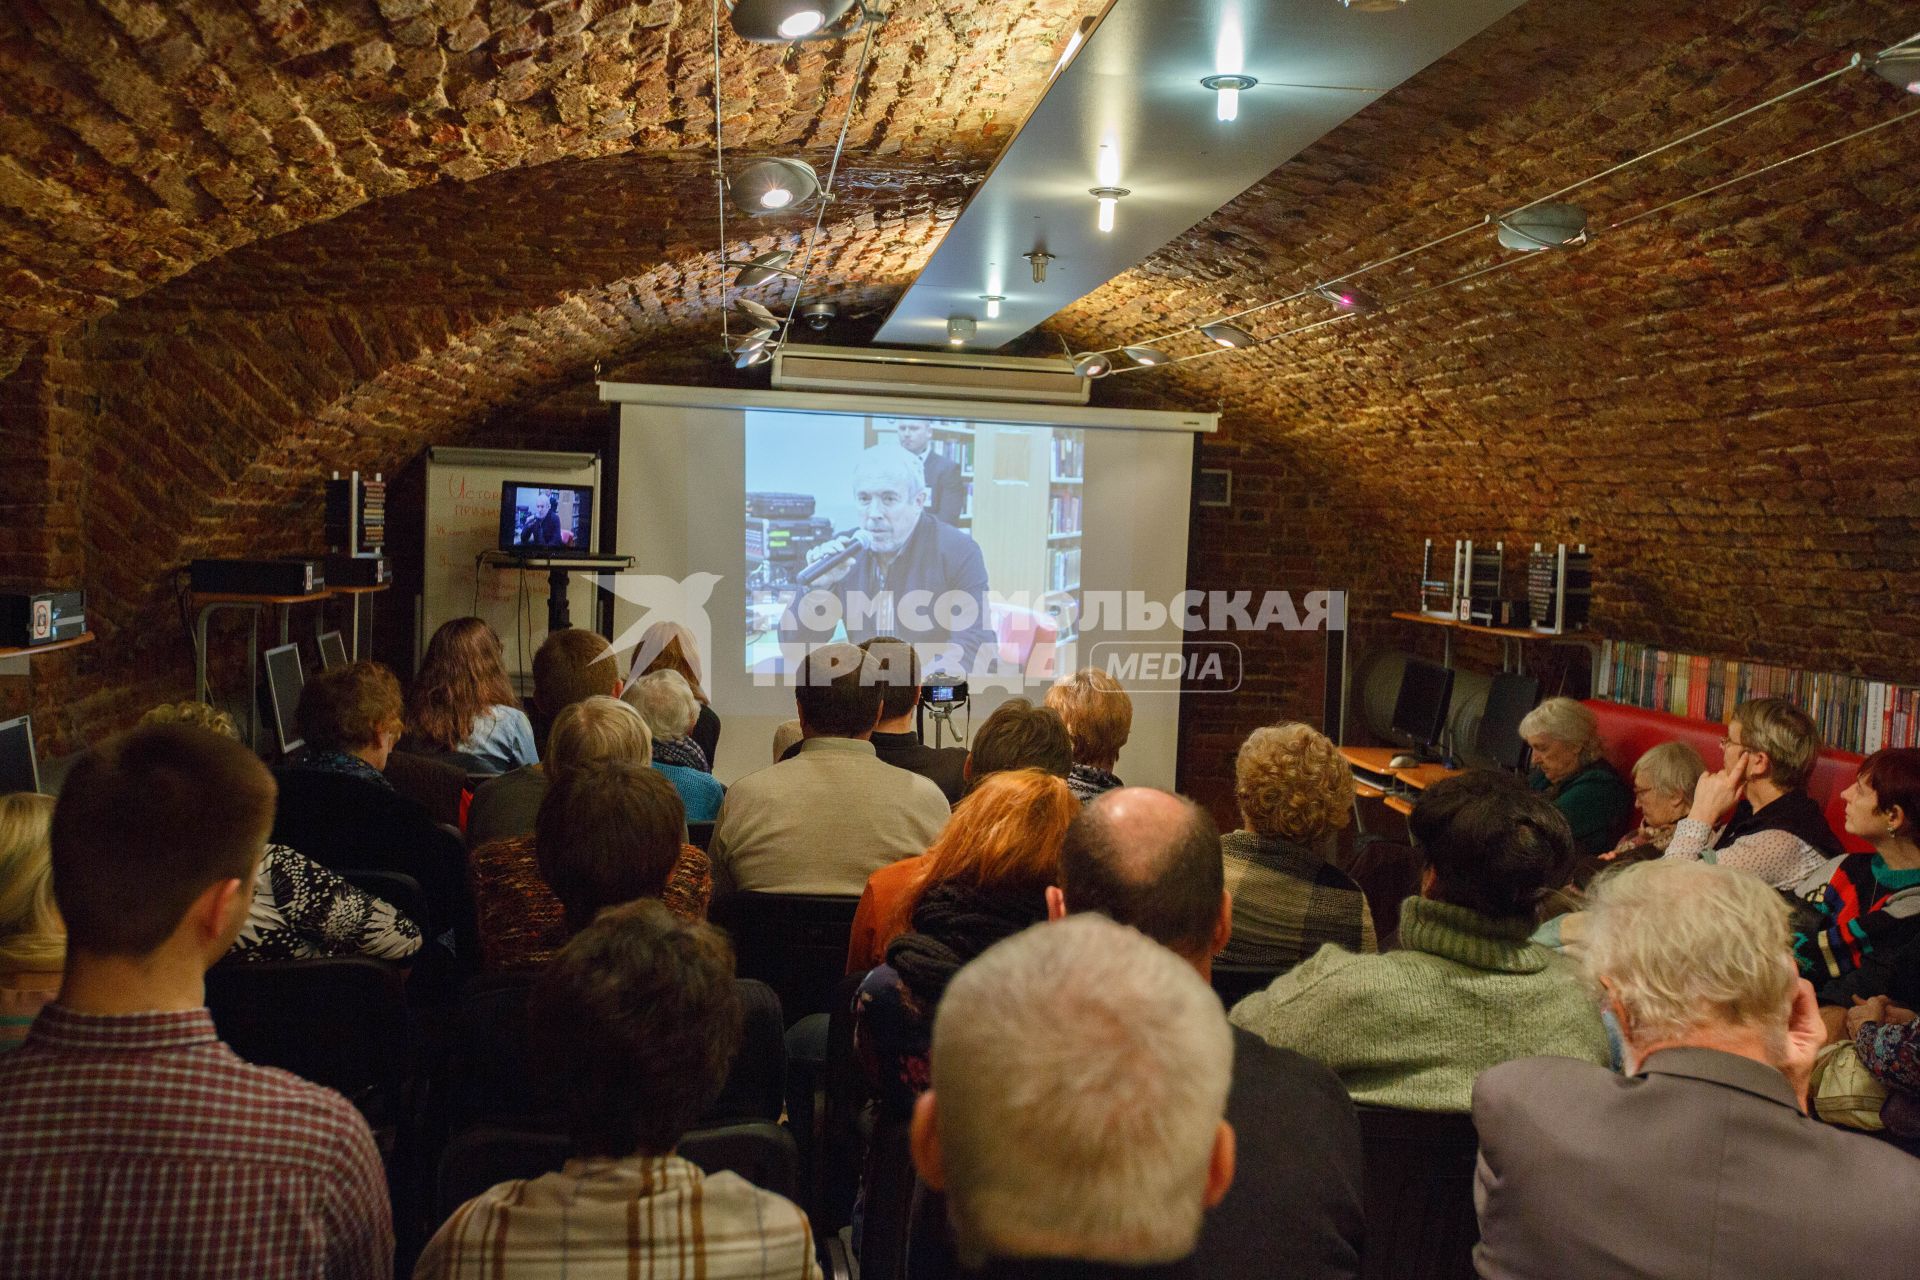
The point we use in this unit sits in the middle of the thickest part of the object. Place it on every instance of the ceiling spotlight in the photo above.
(993, 301)
(1544, 226)
(1345, 297)
(1227, 335)
(750, 315)
(1227, 106)
(1145, 355)
(1039, 258)
(1373, 6)
(1092, 365)
(1075, 39)
(819, 315)
(781, 21)
(748, 359)
(1108, 198)
(1900, 68)
(768, 186)
(960, 330)
(757, 271)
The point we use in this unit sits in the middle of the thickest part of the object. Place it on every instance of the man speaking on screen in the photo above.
(899, 572)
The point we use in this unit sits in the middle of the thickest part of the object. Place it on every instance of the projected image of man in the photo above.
(946, 487)
(907, 576)
(541, 528)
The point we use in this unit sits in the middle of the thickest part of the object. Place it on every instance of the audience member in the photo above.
(336, 807)
(300, 910)
(666, 702)
(463, 702)
(33, 941)
(1019, 735)
(1886, 1037)
(610, 830)
(1099, 716)
(896, 739)
(638, 1019)
(1076, 1119)
(1413, 1027)
(1663, 781)
(1295, 795)
(669, 646)
(136, 1142)
(1564, 739)
(1858, 909)
(1775, 829)
(984, 879)
(1700, 1160)
(571, 665)
(833, 815)
(1152, 861)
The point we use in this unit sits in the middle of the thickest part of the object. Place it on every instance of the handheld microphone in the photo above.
(807, 575)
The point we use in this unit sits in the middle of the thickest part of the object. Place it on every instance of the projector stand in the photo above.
(559, 616)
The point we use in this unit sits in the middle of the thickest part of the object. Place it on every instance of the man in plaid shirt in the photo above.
(133, 1143)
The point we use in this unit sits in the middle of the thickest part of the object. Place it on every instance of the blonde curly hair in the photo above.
(1291, 782)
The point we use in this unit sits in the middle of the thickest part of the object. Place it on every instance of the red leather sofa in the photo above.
(1629, 731)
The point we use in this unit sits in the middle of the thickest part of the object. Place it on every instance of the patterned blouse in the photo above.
(302, 911)
(1891, 1051)
(522, 924)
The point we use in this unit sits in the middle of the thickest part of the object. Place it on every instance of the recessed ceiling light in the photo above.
(1145, 355)
(781, 21)
(993, 301)
(1093, 365)
(1544, 226)
(1227, 335)
(1901, 68)
(768, 186)
(1228, 87)
(960, 330)
(1108, 198)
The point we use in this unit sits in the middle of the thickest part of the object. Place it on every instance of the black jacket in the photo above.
(946, 488)
(945, 767)
(936, 559)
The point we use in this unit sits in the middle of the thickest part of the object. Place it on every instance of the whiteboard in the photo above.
(463, 520)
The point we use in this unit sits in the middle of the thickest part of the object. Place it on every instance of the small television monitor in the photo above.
(285, 679)
(546, 519)
(333, 650)
(1509, 698)
(19, 770)
(1420, 712)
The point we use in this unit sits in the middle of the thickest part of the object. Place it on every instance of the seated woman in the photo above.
(463, 702)
(33, 938)
(985, 878)
(301, 910)
(1775, 830)
(1858, 909)
(668, 646)
(521, 920)
(1564, 738)
(665, 701)
(1663, 781)
(1412, 1028)
(1887, 1038)
(1295, 795)
(1099, 717)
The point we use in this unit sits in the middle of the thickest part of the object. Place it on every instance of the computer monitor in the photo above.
(285, 679)
(546, 519)
(333, 650)
(1420, 712)
(19, 770)
(1509, 699)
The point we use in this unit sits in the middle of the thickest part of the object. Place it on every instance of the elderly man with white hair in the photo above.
(1564, 739)
(1077, 1116)
(1700, 1163)
(921, 580)
(668, 704)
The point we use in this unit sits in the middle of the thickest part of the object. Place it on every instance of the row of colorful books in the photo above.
(1854, 713)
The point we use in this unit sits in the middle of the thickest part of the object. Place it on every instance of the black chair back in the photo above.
(341, 1022)
(485, 1156)
(1235, 982)
(700, 835)
(398, 890)
(795, 943)
(1419, 1194)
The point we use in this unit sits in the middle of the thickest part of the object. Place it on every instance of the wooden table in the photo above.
(1377, 760)
(13, 661)
(354, 594)
(208, 603)
(1512, 641)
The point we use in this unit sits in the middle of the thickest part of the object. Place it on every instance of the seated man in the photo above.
(907, 576)
(828, 818)
(1151, 860)
(895, 738)
(570, 666)
(1413, 1027)
(1699, 1161)
(637, 1019)
(1076, 1119)
(1019, 735)
(136, 1143)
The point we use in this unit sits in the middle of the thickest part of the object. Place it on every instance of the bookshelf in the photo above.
(955, 441)
(1066, 481)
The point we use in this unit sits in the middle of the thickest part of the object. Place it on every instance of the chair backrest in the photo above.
(434, 784)
(1419, 1194)
(342, 1022)
(485, 1156)
(700, 835)
(398, 890)
(1235, 982)
(795, 943)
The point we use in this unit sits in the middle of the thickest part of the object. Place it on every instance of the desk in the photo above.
(13, 662)
(353, 594)
(1512, 641)
(207, 604)
(1377, 760)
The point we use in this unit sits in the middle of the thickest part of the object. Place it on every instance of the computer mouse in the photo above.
(1404, 762)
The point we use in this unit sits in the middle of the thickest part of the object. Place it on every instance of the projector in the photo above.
(258, 577)
(41, 617)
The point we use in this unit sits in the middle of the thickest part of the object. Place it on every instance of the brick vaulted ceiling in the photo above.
(242, 241)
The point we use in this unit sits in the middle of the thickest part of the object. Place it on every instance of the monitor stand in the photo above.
(559, 569)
